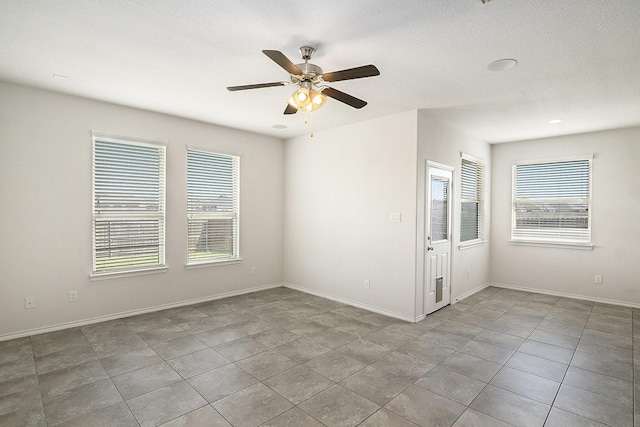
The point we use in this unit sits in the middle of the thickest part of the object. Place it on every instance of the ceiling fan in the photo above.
(310, 78)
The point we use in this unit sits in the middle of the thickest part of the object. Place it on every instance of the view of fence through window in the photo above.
(212, 205)
(128, 205)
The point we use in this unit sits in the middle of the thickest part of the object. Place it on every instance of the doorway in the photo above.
(438, 239)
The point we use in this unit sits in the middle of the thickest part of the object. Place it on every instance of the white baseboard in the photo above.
(120, 315)
(419, 318)
(460, 298)
(566, 295)
(471, 292)
(353, 303)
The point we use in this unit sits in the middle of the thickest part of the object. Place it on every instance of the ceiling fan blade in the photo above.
(351, 73)
(343, 97)
(290, 109)
(256, 86)
(279, 58)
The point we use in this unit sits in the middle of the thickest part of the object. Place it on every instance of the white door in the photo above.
(437, 253)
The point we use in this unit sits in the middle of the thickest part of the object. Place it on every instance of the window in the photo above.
(471, 200)
(439, 209)
(213, 199)
(128, 204)
(552, 202)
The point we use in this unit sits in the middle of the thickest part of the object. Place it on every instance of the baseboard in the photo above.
(123, 314)
(565, 295)
(353, 303)
(471, 292)
(419, 318)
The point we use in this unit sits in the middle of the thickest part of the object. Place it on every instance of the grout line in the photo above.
(565, 373)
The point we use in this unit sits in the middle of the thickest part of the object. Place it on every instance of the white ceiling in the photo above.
(578, 60)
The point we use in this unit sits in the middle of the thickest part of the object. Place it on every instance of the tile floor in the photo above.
(285, 358)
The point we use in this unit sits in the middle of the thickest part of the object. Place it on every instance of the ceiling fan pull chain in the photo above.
(308, 119)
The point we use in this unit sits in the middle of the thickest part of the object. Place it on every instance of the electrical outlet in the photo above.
(367, 284)
(30, 302)
(253, 270)
(598, 279)
(468, 274)
(73, 296)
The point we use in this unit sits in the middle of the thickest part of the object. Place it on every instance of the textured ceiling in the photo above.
(578, 60)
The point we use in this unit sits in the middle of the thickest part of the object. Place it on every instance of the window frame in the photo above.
(563, 239)
(130, 215)
(197, 262)
(480, 200)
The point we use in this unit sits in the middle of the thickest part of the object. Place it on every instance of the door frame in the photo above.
(426, 230)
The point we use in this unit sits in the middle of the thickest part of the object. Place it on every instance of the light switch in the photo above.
(395, 217)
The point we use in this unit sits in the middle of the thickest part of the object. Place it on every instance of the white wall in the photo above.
(45, 210)
(340, 187)
(314, 213)
(441, 143)
(615, 222)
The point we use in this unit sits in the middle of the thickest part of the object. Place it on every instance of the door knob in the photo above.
(429, 248)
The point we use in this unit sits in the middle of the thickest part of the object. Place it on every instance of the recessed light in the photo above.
(279, 126)
(554, 121)
(502, 64)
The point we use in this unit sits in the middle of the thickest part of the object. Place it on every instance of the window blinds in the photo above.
(128, 205)
(472, 200)
(213, 183)
(552, 201)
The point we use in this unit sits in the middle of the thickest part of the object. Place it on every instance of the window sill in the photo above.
(212, 263)
(473, 244)
(129, 273)
(543, 244)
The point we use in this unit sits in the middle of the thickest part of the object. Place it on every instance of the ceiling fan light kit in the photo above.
(312, 92)
(305, 100)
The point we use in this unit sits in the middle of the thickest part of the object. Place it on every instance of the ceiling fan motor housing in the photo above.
(309, 71)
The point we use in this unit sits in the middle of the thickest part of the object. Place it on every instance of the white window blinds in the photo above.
(213, 202)
(471, 200)
(552, 202)
(128, 205)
